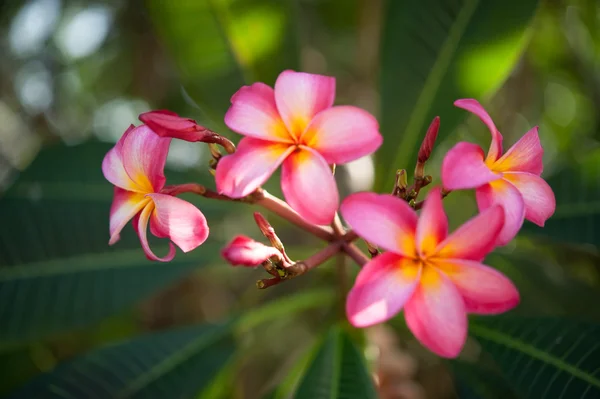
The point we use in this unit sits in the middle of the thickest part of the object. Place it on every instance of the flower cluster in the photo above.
(437, 278)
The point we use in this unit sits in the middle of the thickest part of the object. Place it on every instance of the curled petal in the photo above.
(381, 289)
(179, 221)
(242, 172)
(309, 187)
(463, 167)
(343, 134)
(141, 226)
(253, 113)
(432, 227)
(484, 290)
(476, 238)
(168, 124)
(524, 156)
(436, 314)
(245, 251)
(475, 107)
(113, 169)
(539, 199)
(384, 220)
(502, 192)
(300, 96)
(125, 205)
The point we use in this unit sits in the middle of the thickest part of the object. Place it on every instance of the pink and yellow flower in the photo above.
(295, 125)
(512, 180)
(135, 165)
(436, 278)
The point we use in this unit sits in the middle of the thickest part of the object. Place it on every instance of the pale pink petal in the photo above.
(144, 157)
(125, 205)
(343, 134)
(168, 124)
(476, 238)
(140, 222)
(253, 113)
(432, 227)
(179, 221)
(113, 169)
(504, 193)
(245, 251)
(463, 167)
(524, 156)
(436, 314)
(538, 196)
(475, 107)
(242, 172)
(383, 220)
(484, 290)
(300, 96)
(381, 289)
(309, 187)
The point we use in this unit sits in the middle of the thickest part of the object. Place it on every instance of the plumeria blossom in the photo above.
(135, 165)
(168, 124)
(245, 251)
(437, 278)
(511, 179)
(295, 125)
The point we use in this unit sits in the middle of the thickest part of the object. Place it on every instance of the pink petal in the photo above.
(300, 96)
(484, 290)
(343, 134)
(140, 222)
(463, 167)
(113, 169)
(524, 156)
(245, 251)
(381, 289)
(309, 187)
(125, 205)
(504, 193)
(436, 314)
(432, 227)
(168, 124)
(384, 220)
(144, 157)
(474, 239)
(253, 113)
(538, 196)
(475, 107)
(242, 172)
(179, 221)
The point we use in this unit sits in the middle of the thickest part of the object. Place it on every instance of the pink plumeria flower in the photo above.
(295, 125)
(245, 251)
(135, 165)
(436, 278)
(168, 124)
(512, 180)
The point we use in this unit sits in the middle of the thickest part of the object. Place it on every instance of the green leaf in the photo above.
(472, 381)
(433, 53)
(543, 357)
(337, 371)
(174, 364)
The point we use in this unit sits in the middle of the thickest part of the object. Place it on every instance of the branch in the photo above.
(355, 253)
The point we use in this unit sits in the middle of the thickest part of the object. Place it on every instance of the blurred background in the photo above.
(80, 319)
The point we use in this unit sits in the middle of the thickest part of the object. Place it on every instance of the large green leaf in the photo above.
(472, 381)
(437, 51)
(174, 364)
(543, 357)
(337, 371)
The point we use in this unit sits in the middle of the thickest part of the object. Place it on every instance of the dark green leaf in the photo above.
(472, 381)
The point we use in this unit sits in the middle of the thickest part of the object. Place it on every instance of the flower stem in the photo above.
(355, 253)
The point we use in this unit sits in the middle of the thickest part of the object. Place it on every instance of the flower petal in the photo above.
(309, 186)
(524, 156)
(381, 289)
(178, 220)
(253, 113)
(245, 251)
(432, 227)
(113, 169)
(384, 220)
(168, 124)
(300, 96)
(242, 172)
(144, 157)
(125, 205)
(484, 289)
(343, 134)
(475, 107)
(140, 222)
(538, 196)
(436, 314)
(463, 167)
(504, 193)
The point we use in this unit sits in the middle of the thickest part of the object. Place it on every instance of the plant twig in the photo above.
(355, 253)
(337, 227)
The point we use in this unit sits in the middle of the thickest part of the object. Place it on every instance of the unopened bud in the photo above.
(401, 179)
(214, 151)
(268, 231)
(429, 140)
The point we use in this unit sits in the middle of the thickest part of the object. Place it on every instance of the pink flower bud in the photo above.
(169, 124)
(244, 251)
(429, 140)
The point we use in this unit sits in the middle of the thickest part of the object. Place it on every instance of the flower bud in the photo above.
(429, 140)
(169, 124)
(244, 251)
